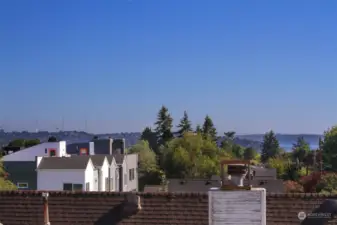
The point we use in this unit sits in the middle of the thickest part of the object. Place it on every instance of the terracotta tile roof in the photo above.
(106, 208)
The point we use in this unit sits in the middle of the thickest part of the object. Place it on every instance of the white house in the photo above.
(56, 149)
(101, 171)
(66, 173)
(113, 173)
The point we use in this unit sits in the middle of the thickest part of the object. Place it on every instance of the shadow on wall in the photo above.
(130, 206)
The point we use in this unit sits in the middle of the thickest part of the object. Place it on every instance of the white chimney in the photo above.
(91, 148)
(237, 207)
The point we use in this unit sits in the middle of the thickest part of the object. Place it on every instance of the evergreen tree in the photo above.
(300, 150)
(198, 129)
(208, 129)
(270, 146)
(184, 125)
(151, 137)
(164, 126)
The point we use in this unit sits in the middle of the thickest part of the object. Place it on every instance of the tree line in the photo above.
(196, 153)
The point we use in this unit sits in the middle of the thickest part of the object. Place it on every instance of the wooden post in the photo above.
(45, 196)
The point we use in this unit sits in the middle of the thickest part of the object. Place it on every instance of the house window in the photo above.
(45, 151)
(52, 152)
(131, 174)
(87, 186)
(22, 185)
(77, 187)
(67, 187)
(72, 187)
(107, 187)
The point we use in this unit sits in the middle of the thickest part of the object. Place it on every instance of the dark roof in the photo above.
(97, 160)
(191, 185)
(64, 163)
(119, 158)
(157, 208)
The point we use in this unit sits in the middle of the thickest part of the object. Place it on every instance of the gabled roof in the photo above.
(97, 160)
(63, 163)
(119, 158)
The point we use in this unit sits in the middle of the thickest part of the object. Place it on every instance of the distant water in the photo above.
(288, 146)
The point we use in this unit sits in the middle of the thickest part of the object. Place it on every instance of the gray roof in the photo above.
(64, 163)
(119, 158)
(191, 185)
(97, 160)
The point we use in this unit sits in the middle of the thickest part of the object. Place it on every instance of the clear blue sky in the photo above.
(251, 65)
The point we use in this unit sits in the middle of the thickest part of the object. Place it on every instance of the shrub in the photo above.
(293, 187)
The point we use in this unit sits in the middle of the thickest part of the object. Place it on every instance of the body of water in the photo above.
(288, 146)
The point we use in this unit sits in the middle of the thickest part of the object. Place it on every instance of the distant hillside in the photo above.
(78, 136)
(289, 138)
(131, 138)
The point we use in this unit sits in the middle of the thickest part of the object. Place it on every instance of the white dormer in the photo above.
(47, 149)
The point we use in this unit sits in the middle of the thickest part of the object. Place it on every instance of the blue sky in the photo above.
(251, 65)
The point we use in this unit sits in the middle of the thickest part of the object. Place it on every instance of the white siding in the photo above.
(29, 154)
(114, 181)
(131, 162)
(89, 176)
(104, 175)
(53, 180)
(245, 207)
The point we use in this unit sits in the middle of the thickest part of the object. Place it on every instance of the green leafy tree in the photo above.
(184, 125)
(151, 137)
(228, 140)
(149, 173)
(191, 156)
(17, 143)
(208, 129)
(329, 147)
(147, 158)
(300, 149)
(164, 126)
(270, 147)
(32, 142)
(249, 153)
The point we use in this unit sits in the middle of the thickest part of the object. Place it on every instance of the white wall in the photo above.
(113, 179)
(246, 207)
(89, 176)
(53, 180)
(104, 175)
(131, 162)
(29, 154)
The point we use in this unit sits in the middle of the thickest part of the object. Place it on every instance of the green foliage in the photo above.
(198, 129)
(184, 125)
(301, 149)
(279, 164)
(5, 184)
(327, 184)
(329, 147)
(270, 147)
(249, 153)
(190, 156)
(147, 158)
(164, 126)
(24, 143)
(208, 129)
(151, 137)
